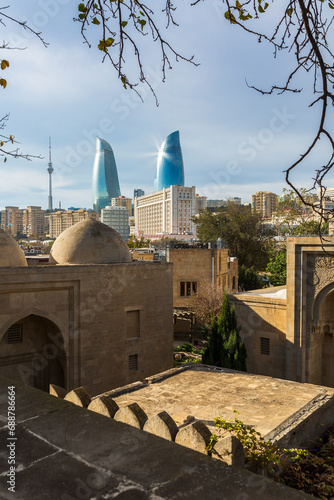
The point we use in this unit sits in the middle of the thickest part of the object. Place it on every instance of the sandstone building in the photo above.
(195, 266)
(87, 318)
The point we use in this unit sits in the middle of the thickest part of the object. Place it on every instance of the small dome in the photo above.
(89, 242)
(11, 254)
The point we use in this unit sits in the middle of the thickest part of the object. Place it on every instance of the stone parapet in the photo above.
(66, 452)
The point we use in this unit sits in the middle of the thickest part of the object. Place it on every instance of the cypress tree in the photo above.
(211, 354)
(225, 347)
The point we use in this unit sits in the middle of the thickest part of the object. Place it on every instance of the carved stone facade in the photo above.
(310, 315)
(298, 324)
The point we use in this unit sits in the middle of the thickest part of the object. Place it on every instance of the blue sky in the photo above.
(234, 140)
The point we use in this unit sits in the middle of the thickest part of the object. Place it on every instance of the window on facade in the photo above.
(233, 282)
(14, 334)
(132, 324)
(133, 362)
(265, 346)
(188, 288)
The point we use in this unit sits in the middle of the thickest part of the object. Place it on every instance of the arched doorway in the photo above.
(326, 333)
(32, 350)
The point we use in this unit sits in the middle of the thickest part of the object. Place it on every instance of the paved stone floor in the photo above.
(262, 402)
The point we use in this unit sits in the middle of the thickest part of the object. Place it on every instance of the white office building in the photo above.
(166, 212)
(118, 219)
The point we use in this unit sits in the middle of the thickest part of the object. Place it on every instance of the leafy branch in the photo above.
(121, 23)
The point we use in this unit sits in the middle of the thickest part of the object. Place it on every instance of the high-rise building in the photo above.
(138, 192)
(59, 221)
(264, 203)
(122, 201)
(33, 221)
(105, 184)
(170, 171)
(168, 211)
(117, 218)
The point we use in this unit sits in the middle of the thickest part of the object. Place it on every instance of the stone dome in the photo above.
(89, 242)
(11, 254)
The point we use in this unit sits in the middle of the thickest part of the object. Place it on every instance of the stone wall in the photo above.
(262, 317)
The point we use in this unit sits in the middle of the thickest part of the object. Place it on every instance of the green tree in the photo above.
(248, 279)
(292, 216)
(311, 227)
(225, 347)
(242, 230)
(277, 268)
(134, 242)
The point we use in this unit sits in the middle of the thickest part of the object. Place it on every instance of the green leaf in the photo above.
(104, 44)
(124, 23)
(261, 9)
(109, 42)
(101, 46)
(230, 17)
(142, 23)
(82, 7)
(124, 80)
(96, 21)
(81, 16)
(289, 11)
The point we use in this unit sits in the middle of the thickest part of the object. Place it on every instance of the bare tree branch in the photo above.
(304, 30)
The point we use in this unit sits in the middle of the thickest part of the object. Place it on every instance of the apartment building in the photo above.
(59, 221)
(264, 203)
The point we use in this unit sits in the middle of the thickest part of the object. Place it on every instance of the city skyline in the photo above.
(235, 141)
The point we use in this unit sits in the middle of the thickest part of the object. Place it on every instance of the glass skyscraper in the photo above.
(170, 170)
(105, 184)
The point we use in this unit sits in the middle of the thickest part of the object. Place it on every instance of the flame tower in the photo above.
(105, 184)
(50, 170)
(170, 171)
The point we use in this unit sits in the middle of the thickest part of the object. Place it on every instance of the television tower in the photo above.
(50, 170)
